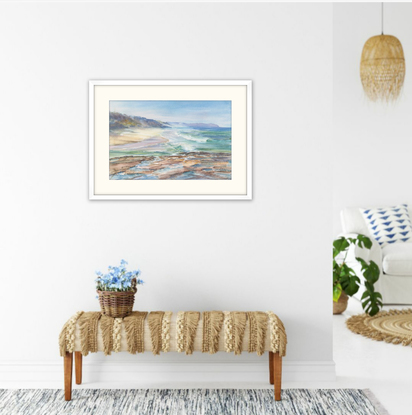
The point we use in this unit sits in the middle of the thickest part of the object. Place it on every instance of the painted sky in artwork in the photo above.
(216, 112)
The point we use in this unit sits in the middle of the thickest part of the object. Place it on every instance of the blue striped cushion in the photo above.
(389, 225)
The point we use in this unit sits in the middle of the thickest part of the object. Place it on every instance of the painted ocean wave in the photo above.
(180, 139)
(178, 153)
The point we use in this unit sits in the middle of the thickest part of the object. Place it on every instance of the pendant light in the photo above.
(382, 67)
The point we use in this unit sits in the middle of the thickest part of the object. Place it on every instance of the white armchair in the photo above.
(394, 260)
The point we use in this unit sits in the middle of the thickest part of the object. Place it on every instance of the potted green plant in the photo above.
(346, 282)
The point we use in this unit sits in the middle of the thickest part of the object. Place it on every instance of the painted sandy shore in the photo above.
(135, 135)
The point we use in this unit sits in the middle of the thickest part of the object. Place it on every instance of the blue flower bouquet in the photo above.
(117, 289)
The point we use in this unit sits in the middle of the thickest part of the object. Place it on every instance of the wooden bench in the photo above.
(89, 332)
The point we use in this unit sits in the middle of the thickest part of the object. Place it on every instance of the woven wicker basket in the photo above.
(341, 305)
(117, 304)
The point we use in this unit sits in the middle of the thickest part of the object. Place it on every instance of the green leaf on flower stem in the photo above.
(340, 245)
(363, 242)
(371, 302)
(350, 284)
(373, 272)
(363, 263)
(345, 271)
(337, 291)
(369, 287)
(370, 271)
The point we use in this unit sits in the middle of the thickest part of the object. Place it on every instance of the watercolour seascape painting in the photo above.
(170, 140)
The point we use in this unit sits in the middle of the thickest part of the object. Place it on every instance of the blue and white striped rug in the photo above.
(189, 402)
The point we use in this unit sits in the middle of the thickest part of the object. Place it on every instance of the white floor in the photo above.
(362, 363)
(384, 368)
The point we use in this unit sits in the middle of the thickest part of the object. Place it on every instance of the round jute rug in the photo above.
(393, 326)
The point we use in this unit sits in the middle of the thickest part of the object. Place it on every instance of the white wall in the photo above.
(270, 253)
(372, 157)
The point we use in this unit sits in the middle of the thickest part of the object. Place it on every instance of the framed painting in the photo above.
(170, 140)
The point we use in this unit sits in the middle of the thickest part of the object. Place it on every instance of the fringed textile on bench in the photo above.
(155, 324)
(67, 337)
(88, 323)
(134, 327)
(212, 325)
(258, 323)
(93, 331)
(277, 334)
(186, 330)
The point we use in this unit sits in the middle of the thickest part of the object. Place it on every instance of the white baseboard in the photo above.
(106, 374)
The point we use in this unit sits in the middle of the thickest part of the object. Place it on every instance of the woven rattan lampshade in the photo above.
(382, 68)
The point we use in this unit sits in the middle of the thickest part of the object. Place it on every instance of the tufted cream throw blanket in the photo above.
(185, 331)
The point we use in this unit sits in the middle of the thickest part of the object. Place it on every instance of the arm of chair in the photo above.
(374, 254)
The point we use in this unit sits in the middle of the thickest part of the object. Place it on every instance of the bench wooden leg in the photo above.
(271, 377)
(68, 368)
(277, 371)
(78, 363)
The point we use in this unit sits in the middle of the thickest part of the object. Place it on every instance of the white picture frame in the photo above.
(239, 187)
